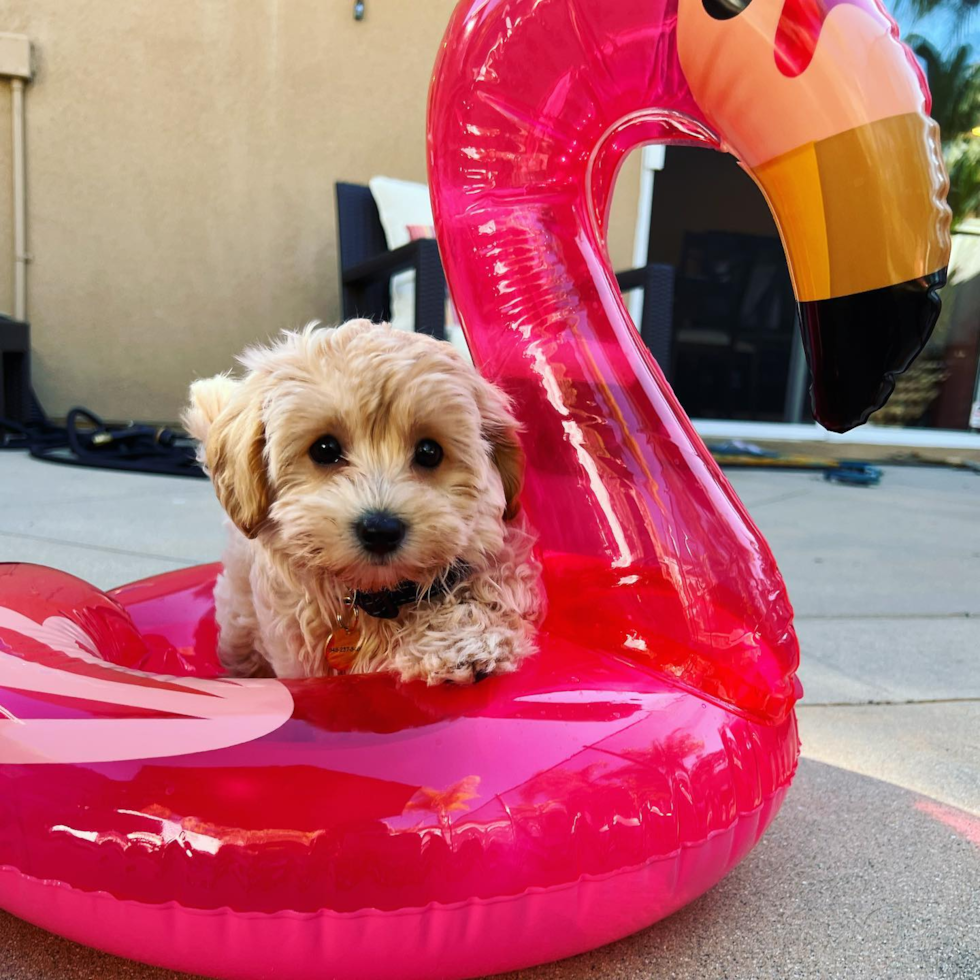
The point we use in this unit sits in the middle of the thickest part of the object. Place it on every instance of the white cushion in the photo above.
(402, 203)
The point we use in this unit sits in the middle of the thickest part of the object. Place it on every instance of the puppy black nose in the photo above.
(380, 533)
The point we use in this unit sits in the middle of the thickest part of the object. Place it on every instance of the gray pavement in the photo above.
(872, 869)
(105, 527)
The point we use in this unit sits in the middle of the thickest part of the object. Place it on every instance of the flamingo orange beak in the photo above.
(866, 230)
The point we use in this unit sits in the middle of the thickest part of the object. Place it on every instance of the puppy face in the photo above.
(362, 453)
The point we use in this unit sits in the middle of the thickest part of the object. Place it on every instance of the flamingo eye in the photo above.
(724, 9)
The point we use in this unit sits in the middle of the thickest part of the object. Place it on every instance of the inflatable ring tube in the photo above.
(350, 826)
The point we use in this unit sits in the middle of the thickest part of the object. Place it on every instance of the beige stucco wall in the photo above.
(6, 207)
(182, 157)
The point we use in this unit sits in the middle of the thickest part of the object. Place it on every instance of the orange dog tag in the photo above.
(341, 647)
(344, 642)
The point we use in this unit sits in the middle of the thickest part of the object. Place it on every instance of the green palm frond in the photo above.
(954, 81)
(963, 164)
(962, 10)
(955, 85)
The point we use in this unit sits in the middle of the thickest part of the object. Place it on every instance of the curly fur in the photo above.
(293, 554)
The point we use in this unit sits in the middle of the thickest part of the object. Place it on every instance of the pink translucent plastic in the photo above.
(355, 827)
(532, 109)
(372, 830)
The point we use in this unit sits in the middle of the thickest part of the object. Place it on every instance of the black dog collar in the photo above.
(387, 603)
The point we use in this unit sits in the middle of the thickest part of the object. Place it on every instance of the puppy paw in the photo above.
(462, 655)
(473, 659)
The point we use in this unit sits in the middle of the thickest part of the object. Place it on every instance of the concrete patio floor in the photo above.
(872, 869)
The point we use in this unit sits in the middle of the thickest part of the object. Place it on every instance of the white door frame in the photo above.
(651, 160)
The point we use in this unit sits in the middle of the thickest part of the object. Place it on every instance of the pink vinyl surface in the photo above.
(357, 827)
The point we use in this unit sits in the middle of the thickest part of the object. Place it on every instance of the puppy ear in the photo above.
(501, 429)
(233, 451)
(208, 398)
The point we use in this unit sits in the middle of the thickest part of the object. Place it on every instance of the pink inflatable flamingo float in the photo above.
(357, 828)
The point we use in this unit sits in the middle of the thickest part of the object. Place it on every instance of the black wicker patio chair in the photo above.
(367, 266)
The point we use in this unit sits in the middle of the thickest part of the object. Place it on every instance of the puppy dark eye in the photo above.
(428, 453)
(326, 451)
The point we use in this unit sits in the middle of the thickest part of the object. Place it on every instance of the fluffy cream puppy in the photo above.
(371, 477)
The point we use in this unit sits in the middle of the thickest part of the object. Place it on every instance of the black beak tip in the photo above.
(858, 345)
